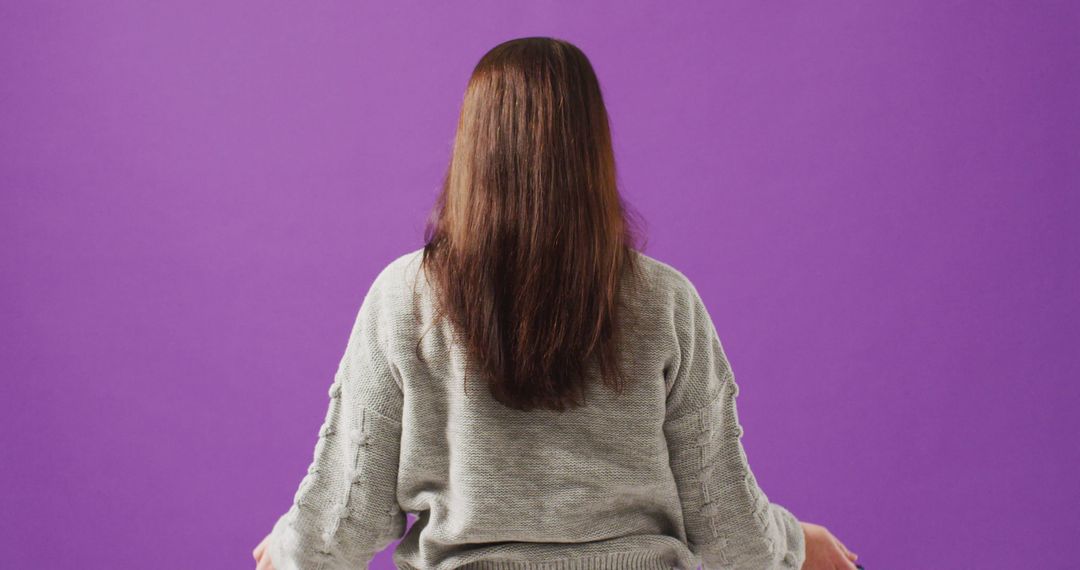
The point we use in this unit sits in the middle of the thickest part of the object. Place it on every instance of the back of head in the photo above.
(529, 238)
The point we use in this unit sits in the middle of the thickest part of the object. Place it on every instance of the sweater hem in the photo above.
(646, 560)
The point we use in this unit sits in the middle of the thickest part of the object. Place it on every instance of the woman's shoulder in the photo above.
(663, 276)
(399, 271)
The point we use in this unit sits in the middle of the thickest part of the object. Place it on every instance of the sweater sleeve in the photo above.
(729, 520)
(345, 509)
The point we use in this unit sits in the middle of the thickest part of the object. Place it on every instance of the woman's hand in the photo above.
(824, 551)
(261, 558)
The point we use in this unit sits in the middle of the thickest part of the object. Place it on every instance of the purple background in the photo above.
(879, 205)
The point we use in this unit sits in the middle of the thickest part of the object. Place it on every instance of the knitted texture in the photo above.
(654, 478)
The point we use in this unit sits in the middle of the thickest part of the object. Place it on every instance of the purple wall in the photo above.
(878, 204)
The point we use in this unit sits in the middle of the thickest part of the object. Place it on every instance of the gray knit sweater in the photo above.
(654, 478)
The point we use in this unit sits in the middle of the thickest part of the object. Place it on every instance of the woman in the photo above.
(603, 433)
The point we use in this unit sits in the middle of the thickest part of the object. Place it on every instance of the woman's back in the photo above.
(653, 477)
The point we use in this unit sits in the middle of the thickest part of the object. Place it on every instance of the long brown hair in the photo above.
(529, 236)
